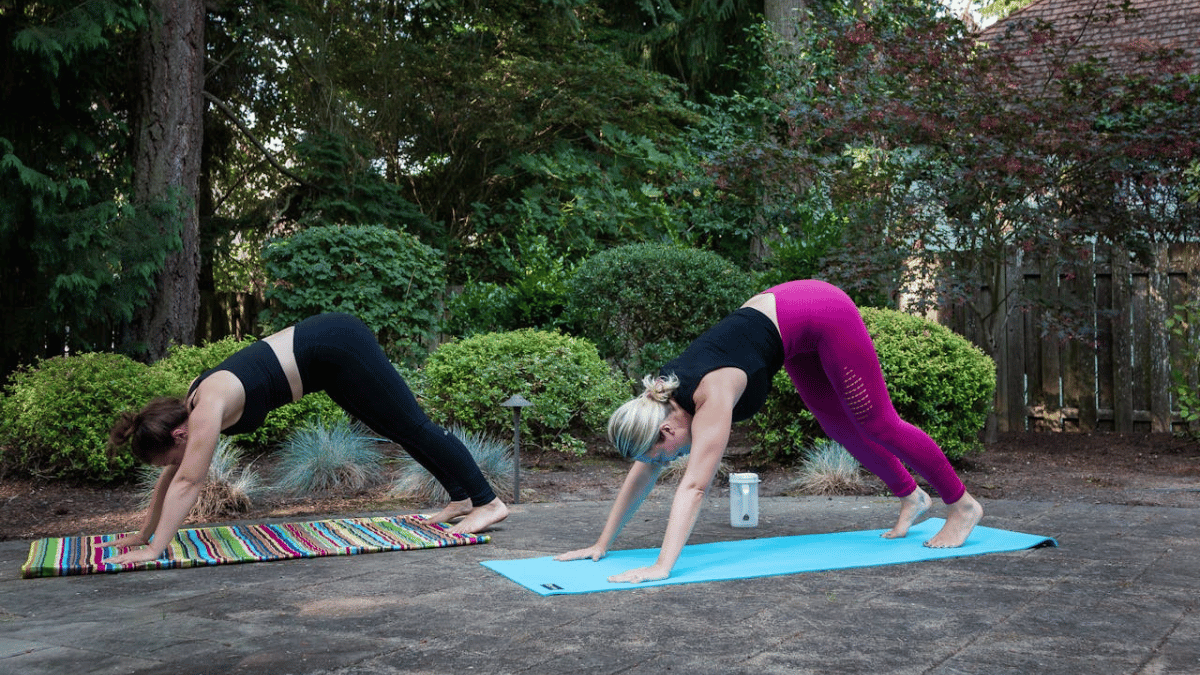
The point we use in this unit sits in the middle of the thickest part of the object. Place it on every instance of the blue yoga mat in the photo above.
(748, 558)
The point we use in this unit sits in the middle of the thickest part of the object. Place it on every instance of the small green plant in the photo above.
(494, 458)
(631, 296)
(229, 490)
(572, 389)
(321, 457)
(829, 469)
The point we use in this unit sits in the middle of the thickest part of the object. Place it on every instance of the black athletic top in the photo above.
(262, 376)
(746, 340)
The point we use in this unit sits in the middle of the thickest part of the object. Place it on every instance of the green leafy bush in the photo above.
(56, 414)
(572, 389)
(937, 380)
(481, 307)
(534, 298)
(389, 279)
(632, 296)
(1184, 327)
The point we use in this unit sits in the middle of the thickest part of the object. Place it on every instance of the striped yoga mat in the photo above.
(63, 556)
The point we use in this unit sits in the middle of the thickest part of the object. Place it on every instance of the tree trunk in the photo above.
(167, 166)
(784, 17)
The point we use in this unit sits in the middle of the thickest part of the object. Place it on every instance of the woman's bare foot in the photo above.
(450, 512)
(962, 517)
(911, 508)
(481, 517)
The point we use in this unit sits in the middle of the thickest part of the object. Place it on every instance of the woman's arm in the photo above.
(638, 483)
(142, 536)
(181, 486)
(715, 398)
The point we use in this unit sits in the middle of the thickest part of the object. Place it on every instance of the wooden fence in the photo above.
(1120, 379)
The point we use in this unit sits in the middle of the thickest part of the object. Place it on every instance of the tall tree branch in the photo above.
(228, 112)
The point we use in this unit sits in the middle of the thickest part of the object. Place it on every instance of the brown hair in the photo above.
(149, 432)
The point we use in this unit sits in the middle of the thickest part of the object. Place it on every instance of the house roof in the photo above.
(1100, 28)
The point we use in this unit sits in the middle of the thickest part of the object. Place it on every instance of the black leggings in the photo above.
(340, 355)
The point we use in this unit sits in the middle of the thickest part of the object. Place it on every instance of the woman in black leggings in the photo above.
(334, 353)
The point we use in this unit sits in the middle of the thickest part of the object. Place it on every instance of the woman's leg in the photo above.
(339, 354)
(819, 396)
(815, 316)
(825, 404)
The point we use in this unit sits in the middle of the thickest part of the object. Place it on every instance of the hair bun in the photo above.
(659, 389)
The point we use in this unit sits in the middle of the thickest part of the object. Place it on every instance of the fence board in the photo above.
(1121, 379)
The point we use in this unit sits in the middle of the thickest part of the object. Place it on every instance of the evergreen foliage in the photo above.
(76, 260)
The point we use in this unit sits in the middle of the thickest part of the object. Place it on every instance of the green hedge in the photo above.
(55, 415)
(389, 279)
(640, 296)
(572, 389)
(938, 381)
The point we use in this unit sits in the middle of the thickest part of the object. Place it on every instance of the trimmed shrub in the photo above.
(937, 380)
(389, 279)
(572, 389)
(56, 414)
(632, 296)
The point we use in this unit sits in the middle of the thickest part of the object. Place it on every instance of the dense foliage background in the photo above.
(479, 153)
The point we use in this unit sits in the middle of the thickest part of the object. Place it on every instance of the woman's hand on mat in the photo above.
(637, 576)
(594, 552)
(136, 555)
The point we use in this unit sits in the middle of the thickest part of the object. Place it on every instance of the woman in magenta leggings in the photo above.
(813, 330)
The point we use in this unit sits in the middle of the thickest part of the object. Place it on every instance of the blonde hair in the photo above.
(634, 427)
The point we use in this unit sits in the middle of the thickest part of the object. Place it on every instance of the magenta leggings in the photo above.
(832, 361)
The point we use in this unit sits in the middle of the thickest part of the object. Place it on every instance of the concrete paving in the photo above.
(1118, 596)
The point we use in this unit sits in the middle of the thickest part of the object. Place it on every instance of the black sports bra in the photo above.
(746, 340)
(262, 376)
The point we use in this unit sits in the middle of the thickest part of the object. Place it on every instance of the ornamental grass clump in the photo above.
(494, 458)
(324, 457)
(229, 490)
(829, 469)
